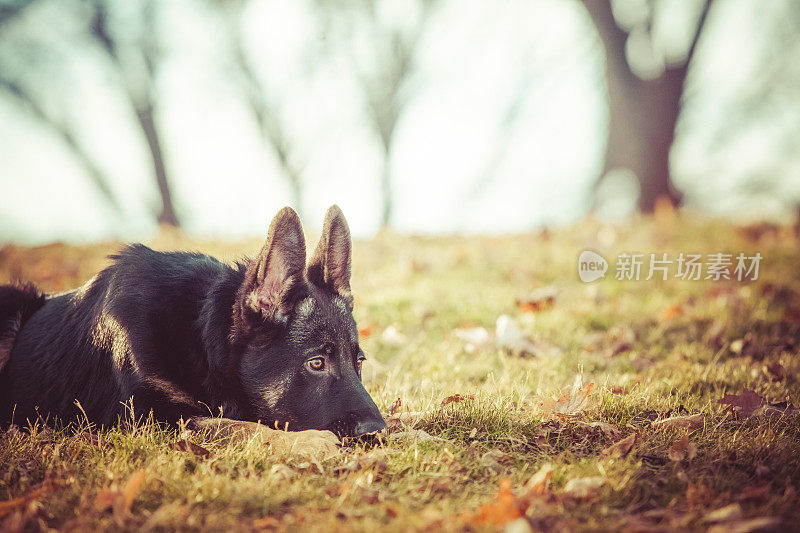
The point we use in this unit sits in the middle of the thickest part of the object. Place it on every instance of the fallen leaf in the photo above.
(744, 404)
(605, 428)
(681, 449)
(184, 445)
(455, 398)
(476, 336)
(583, 487)
(364, 332)
(503, 510)
(32, 495)
(621, 448)
(538, 482)
(509, 337)
(690, 422)
(776, 371)
(570, 402)
(494, 460)
(395, 406)
(538, 300)
(671, 312)
(120, 500)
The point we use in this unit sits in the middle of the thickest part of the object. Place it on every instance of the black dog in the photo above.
(186, 336)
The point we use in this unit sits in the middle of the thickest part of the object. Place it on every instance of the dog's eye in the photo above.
(317, 364)
(359, 362)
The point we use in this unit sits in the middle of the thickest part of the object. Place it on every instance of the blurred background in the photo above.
(120, 117)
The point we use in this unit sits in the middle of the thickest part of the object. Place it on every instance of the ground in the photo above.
(484, 433)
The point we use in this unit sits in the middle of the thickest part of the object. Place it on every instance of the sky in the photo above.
(475, 60)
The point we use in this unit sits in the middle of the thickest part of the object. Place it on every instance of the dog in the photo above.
(266, 343)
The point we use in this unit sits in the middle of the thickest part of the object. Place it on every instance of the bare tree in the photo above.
(274, 132)
(17, 90)
(384, 75)
(642, 113)
(138, 81)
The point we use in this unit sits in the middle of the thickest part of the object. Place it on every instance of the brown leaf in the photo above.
(605, 428)
(120, 500)
(455, 398)
(776, 371)
(744, 404)
(538, 482)
(13, 504)
(571, 402)
(671, 312)
(395, 406)
(537, 301)
(623, 447)
(690, 422)
(184, 445)
(583, 488)
(124, 501)
(364, 332)
(681, 449)
(503, 510)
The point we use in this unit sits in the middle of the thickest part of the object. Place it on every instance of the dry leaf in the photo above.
(607, 429)
(571, 402)
(509, 337)
(455, 398)
(395, 406)
(744, 404)
(538, 300)
(776, 371)
(623, 447)
(583, 487)
(690, 422)
(494, 460)
(184, 445)
(538, 482)
(476, 336)
(364, 332)
(671, 312)
(120, 500)
(503, 510)
(683, 448)
(9, 506)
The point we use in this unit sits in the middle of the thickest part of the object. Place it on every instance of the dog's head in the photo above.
(298, 342)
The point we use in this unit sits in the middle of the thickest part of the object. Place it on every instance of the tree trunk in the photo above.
(144, 113)
(642, 114)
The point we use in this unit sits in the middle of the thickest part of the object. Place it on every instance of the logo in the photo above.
(591, 266)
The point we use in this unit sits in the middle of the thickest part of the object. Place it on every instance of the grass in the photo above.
(676, 344)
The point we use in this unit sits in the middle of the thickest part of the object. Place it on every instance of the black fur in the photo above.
(185, 336)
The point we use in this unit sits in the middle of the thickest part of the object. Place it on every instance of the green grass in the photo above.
(426, 288)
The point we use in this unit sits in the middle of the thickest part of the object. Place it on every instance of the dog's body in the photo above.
(186, 336)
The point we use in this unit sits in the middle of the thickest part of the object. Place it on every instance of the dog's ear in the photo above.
(273, 278)
(330, 265)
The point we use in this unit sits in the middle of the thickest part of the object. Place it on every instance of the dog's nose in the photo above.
(365, 427)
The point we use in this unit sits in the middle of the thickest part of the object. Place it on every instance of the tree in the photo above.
(274, 132)
(643, 113)
(138, 82)
(383, 75)
(18, 91)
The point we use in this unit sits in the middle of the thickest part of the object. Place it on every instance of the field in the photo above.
(552, 423)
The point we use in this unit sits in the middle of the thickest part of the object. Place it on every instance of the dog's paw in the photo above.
(311, 443)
